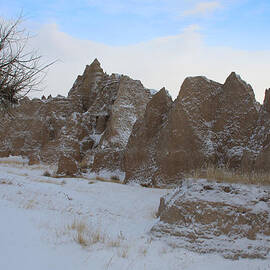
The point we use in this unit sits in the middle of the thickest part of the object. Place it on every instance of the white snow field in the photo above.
(77, 224)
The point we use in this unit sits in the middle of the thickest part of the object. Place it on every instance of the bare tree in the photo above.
(21, 69)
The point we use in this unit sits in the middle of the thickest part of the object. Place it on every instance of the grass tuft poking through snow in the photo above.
(123, 252)
(86, 235)
(5, 182)
(47, 173)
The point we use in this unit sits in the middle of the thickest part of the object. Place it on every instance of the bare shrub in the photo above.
(21, 69)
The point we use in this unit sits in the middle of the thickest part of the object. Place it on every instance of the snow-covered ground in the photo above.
(62, 223)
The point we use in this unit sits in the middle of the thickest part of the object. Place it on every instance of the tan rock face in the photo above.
(38, 129)
(141, 153)
(67, 166)
(128, 105)
(208, 217)
(208, 123)
(260, 140)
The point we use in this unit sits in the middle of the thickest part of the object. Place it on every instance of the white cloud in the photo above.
(160, 62)
(203, 8)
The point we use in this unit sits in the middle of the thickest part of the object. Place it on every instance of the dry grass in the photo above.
(115, 178)
(226, 175)
(50, 181)
(79, 226)
(6, 182)
(100, 178)
(47, 173)
(123, 252)
(143, 250)
(116, 242)
(86, 235)
(30, 204)
(13, 162)
(24, 164)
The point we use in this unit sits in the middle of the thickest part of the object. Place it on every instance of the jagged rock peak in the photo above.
(164, 92)
(235, 83)
(159, 100)
(85, 87)
(96, 62)
(94, 67)
(234, 76)
(266, 102)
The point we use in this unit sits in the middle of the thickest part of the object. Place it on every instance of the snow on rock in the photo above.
(91, 126)
(230, 219)
(141, 151)
(208, 123)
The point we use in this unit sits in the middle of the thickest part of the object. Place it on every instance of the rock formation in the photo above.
(112, 124)
(208, 123)
(141, 152)
(92, 124)
(230, 219)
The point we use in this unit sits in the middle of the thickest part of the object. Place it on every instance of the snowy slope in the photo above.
(37, 228)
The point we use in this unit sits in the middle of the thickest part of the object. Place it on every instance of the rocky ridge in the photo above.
(208, 124)
(111, 124)
(90, 126)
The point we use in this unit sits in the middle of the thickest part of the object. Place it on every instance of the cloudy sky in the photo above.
(159, 42)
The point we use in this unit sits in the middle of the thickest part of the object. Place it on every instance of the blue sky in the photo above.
(159, 42)
(236, 23)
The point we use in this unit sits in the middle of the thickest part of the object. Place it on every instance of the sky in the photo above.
(159, 42)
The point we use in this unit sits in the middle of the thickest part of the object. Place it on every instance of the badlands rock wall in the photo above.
(92, 125)
(208, 123)
(112, 124)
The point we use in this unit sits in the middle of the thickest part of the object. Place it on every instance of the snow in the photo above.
(37, 213)
(108, 174)
(96, 138)
(243, 195)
